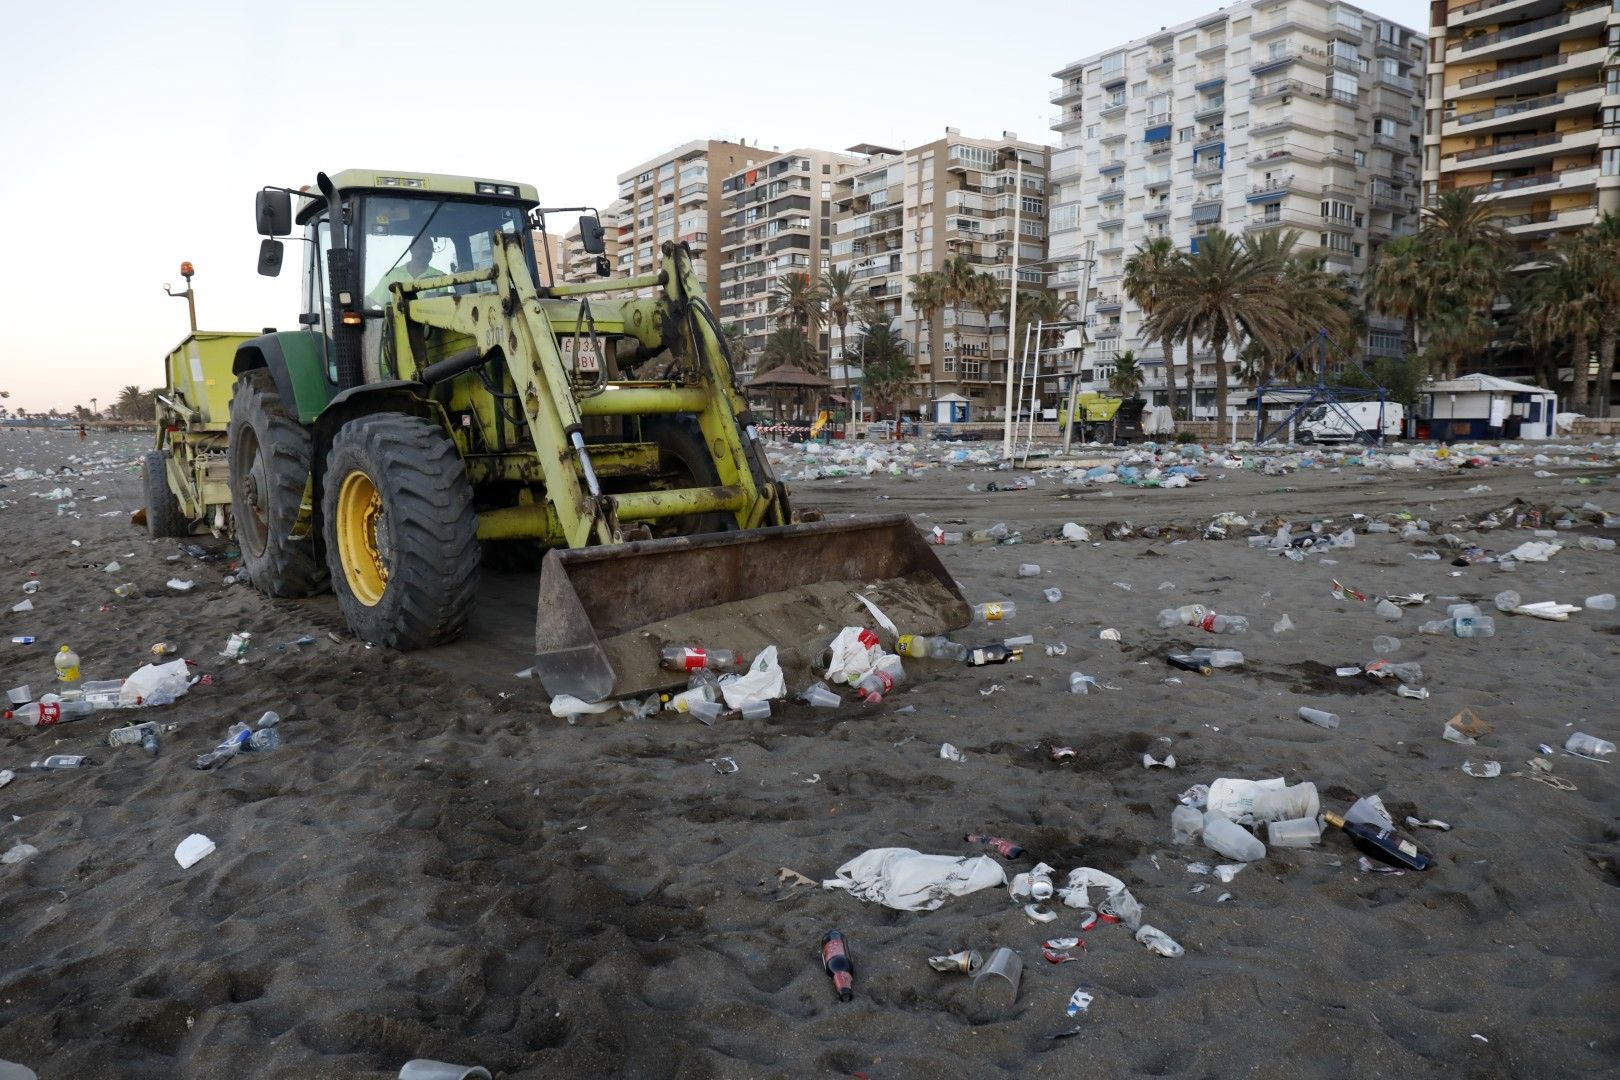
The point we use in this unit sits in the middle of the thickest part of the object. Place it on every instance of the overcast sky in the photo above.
(137, 133)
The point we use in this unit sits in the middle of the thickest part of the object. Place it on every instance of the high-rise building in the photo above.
(775, 220)
(1269, 114)
(578, 265)
(551, 256)
(676, 196)
(908, 212)
(1518, 111)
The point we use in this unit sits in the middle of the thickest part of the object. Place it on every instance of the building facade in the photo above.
(775, 219)
(905, 213)
(578, 265)
(1265, 115)
(1524, 109)
(676, 196)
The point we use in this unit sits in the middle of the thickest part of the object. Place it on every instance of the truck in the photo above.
(435, 404)
(1341, 421)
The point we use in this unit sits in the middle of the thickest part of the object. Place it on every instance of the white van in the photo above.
(1348, 419)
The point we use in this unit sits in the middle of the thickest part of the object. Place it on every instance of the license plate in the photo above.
(586, 358)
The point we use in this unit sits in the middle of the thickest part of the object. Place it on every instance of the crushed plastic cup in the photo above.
(1008, 967)
(1053, 595)
(192, 850)
(1158, 942)
(427, 1069)
(1294, 833)
(1507, 600)
(1600, 602)
(819, 696)
(1186, 825)
(951, 753)
(1282, 625)
(1319, 717)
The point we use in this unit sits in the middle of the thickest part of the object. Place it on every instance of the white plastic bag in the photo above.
(155, 684)
(763, 682)
(908, 880)
(854, 651)
(1234, 799)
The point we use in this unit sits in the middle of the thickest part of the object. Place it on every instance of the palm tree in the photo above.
(736, 342)
(1126, 379)
(928, 300)
(886, 373)
(787, 346)
(986, 297)
(1224, 294)
(956, 279)
(1559, 305)
(131, 403)
(1147, 270)
(1604, 241)
(1459, 215)
(796, 301)
(838, 295)
(1399, 284)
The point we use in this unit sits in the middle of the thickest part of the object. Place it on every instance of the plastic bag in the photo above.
(155, 684)
(763, 681)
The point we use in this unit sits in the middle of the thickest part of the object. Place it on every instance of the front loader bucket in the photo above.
(604, 611)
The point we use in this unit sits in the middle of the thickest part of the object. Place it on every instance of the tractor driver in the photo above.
(415, 266)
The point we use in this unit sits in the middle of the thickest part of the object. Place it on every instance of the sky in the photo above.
(137, 133)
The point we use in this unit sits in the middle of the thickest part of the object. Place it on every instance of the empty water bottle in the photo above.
(1319, 717)
(60, 761)
(1437, 626)
(1218, 658)
(1474, 626)
(995, 611)
(1581, 743)
(1080, 683)
(1597, 543)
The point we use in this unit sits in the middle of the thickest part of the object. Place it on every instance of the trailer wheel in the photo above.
(269, 455)
(1306, 436)
(163, 517)
(401, 532)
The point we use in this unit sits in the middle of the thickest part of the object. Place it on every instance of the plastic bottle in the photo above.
(1294, 832)
(1581, 743)
(1224, 624)
(67, 665)
(1029, 569)
(1596, 543)
(1507, 600)
(994, 611)
(50, 713)
(941, 537)
(1436, 626)
(835, 960)
(235, 739)
(101, 693)
(1218, 658)
(1463, 611)
(1005, 848)
(1319, 717)
(1185, 615)
(1184, 662)
(61, 761)
(1474, 626)
(696, 658)
(1297, 801)
(1081, 683)
(1383, 644)
(263, 740)
(1410, 673)
(1231, 839)
(881, 679)
(934, 647)
(1600, 602)
(1186, 825)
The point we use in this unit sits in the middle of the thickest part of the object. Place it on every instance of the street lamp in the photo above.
(186, 270)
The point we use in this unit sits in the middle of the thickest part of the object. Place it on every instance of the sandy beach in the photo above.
(435, 866)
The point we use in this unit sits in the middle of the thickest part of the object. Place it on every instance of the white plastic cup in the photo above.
(1600, 602)
(705, 711)
(819, 696)
(1383, 644)
(1294, 833)
(1186, 825)
(1228, 838)
(1507, 600)
(1319, 717)
(1298, 801)
(1029, 569)
(21, 695)
(756, 710)
(1591, 746)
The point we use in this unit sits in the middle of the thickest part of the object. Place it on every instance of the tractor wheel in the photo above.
(401, 532)
(682, 452)
(269, 455)
(163, 517)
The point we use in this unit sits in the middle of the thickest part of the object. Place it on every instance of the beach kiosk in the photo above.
(951, 409)
(1485, 407)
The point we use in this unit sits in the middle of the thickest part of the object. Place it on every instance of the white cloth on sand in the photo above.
(908, 880)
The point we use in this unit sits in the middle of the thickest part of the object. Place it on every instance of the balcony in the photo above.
(1162, 63)
(1111, 194)
(1210, 110)
(1109, 168)
(1267, 156)
(1522, 113)
(1208, 168)
(1543, 72)
(1537, 183)
(1269, 124)
(1399, 144)
(1285, 22)
(1069, 91)
(1385, 198)
(1528, 38)
(1112, 219)
(1210, 81)
(1264, 91)
(1280, 57)
(1158, 178)
(1490, 11)
(1156, 213)
(1281, 218)
(1276, 187)
(1521, 151)
(1547, 220)
(1107, 305)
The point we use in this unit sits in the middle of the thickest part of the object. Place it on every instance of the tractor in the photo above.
(435, 407)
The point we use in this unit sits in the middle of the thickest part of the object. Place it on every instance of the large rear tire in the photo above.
(270, 455)
(401, 532)
(163, 517)
(681, 451)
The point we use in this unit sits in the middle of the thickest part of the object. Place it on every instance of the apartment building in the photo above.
(1270, 114)
(676, 196)
(906, 212)
(551, 256)
(1524, 109)
(775, 219)
(577, 265)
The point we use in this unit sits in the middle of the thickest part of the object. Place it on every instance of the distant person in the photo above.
(82, 433)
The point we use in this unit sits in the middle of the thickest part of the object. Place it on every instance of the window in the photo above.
(1184, 134)
(1334, 210)
(1032, 205)
(1349, 20)
(1091, 131)
(1611, 81)
(1384, 125)
(1611, 120)
(1138, 89)
(1611, 161)
(1360, 158)
(1114, 64)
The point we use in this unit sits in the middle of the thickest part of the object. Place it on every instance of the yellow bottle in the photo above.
(67, 665)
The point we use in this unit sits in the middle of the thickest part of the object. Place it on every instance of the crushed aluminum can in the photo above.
(1088, 920)
(1079, 1002)
(1036, 913)
(1062, 754)
(965, 962)
(1057, 950)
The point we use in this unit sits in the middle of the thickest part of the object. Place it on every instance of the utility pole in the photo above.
(1012, 302)
(186, 270)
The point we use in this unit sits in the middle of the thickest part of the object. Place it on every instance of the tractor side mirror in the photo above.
(273, 212)
(270, 252)
(603, 267)
(590, 235)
